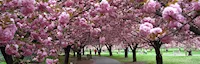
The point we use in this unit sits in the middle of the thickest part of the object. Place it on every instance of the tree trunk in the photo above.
(179, 49)
(195, 30)
(90, 52)
(157, 45)
(83, 51)
(7, 57)
(134, 55)
(134, 52)
(79, 54)
(67, 50)
(110, 52)
(126, 52)
(190, 53)
(99, 51)
(158, 55)
(167, 50)
(109, 47)
(151, 50)
(74, 53)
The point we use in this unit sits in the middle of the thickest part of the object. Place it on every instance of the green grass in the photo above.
(168, 57)
(149, 58)
(2, 62)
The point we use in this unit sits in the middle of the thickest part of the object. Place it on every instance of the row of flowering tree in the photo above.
(43, 28)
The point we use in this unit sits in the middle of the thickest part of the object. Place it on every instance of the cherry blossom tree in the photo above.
(37, 27)
(171, 17)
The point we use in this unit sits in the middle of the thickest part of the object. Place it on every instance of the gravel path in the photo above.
(104, 60)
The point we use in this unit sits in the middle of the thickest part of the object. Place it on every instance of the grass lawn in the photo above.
(168, 57)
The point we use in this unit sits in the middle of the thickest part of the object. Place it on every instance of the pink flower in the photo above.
(186, 27)
(147, 24)
(27, 10)
(166, 39)
(140, 0)
(42, 6)
(17, 2)
(83, 22)
(145, 28)
(53, 52)
(27, 52)
(51, 61)
(8, 33)
(68, 3)
(52, 1)
(51, 26)
(172, 12)
(27, 7)
(196, 6)
(197, 22)
(173, 24)
(148, 19)
(95, 31)
(177, 6)
(64, 44)
(12, 49)
(28, 2)
(59, 35)
(156, 30)
(104, 6)
(151, 6)
(102, 39)
(64, 18)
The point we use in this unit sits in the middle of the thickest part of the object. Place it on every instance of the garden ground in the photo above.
(170, 57)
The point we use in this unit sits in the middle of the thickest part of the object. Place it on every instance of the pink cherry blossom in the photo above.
(64, 18)
(156, 30)
(148, 19)
(172, 12)
(7, 33)
(151, 6)
(196, 6)
(102, 39)
(51, 61)
(145, 28)
(68, 3)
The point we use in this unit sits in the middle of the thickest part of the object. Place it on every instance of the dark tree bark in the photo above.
(134, 51)
(22, 57)
(126, 52)
(179, 49)
(83, 51)
(194, 29)
(74, 53)
(157, 45)
(189, 53)
(99, 51)
(150, 49)
(109, 47)
(7, 57)
(167, 50)
(134, 55)
(90, 52)
(79, 54)
(110, 52)
(67, 50)
(158, 56)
